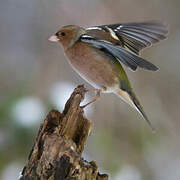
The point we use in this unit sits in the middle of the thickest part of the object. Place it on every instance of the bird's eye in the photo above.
(63, 33)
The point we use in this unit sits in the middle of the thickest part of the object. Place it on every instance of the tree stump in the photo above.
(56, 154)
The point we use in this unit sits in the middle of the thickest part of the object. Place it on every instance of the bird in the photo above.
(100, 53)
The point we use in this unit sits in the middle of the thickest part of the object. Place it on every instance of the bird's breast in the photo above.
(92, 65)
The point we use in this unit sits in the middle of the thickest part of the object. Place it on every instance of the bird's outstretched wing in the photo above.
(135, 36)
(129, 59)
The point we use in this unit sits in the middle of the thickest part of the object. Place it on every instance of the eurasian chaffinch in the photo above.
(96, 54)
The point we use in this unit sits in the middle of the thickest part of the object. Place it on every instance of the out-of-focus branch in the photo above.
(56, 154)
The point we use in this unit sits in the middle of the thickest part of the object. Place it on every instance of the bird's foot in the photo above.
(98, 92)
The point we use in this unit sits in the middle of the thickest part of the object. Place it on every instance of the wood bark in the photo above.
(56, 154)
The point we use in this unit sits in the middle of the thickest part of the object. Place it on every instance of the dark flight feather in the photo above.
(137, 36)
(129, 59)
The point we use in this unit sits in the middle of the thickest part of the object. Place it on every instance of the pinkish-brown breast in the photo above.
(92, 65)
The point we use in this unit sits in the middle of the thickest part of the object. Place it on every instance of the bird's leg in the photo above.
(98, 92)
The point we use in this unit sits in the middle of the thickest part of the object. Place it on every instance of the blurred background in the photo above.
(35, 78)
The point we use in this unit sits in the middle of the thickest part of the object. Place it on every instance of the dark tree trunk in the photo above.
(56, 154)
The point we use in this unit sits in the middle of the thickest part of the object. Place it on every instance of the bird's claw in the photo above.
(98, 92)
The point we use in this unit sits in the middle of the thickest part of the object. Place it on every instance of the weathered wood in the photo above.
(56, 154)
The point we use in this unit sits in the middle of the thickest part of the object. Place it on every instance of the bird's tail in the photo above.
(130, 98)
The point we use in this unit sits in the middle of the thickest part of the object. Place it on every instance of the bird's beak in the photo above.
(53, 38)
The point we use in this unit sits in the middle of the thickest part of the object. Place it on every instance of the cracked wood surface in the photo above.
(56, 154)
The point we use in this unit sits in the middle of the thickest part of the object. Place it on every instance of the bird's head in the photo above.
(67, 35)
